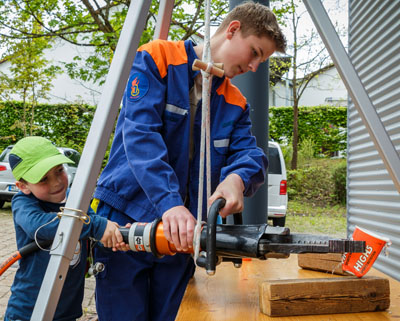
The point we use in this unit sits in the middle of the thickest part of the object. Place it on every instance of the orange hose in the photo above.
(10, 261)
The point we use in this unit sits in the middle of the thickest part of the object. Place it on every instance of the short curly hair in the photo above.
(258, 20)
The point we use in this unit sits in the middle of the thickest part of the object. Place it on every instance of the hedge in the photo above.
(326, 125)
(68, 124)
(64, 124)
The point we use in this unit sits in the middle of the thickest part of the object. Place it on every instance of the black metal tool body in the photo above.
(220, 242)
(234, 242)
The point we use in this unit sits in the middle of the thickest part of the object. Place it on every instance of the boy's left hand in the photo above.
(231, 189)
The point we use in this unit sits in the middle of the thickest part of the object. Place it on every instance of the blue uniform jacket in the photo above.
(148, 171)
(29, 213)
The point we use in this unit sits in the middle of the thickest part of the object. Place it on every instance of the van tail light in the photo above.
(2, 168)
(283, 187)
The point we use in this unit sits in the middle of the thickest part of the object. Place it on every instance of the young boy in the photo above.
(153, 169)
(37, 165)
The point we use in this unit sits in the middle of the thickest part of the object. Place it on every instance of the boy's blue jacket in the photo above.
(31, 215)
(148, 171)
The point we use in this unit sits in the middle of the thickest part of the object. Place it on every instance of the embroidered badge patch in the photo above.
(138, 86)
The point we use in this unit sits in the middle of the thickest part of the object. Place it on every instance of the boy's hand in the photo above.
(112, 237)
(122, 246)
(231, 189)
(179, 225)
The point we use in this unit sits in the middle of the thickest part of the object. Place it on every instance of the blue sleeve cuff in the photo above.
(173, 199)
(98, 225)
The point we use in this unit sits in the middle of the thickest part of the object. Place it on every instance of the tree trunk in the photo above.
(295, 138)
(24, 113)
(33, 110)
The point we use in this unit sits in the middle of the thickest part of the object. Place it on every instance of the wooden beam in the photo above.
(330, 263)
(324, 296)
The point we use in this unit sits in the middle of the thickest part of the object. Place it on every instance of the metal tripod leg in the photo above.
(164, 19)
(70, 228)
(356, 90)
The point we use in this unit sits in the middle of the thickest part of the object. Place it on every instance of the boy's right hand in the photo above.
(112, 236)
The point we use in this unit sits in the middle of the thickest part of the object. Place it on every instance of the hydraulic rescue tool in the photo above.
(233, 242)
(220, 242)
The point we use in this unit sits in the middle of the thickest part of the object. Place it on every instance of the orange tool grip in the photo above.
(163, 246)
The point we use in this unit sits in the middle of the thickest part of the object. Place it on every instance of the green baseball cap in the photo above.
(32, 157)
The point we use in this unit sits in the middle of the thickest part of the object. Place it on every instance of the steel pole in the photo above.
(70, 228)
(356, 90)
(255, 87)
(164, 19)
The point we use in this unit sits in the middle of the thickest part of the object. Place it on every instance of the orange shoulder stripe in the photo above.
(166, 53)
(232, 94)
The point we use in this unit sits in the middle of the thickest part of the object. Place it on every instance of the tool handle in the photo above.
(216, 69)
(149, 237)
(211, 259)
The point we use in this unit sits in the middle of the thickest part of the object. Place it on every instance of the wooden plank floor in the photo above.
(232, 294)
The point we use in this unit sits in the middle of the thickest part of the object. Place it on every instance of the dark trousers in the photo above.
(139, 286)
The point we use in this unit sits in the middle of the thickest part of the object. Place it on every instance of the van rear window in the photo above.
(274, 161)
(4, 155)
(72, 155)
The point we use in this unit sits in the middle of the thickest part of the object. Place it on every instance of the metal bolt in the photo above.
(96, 268)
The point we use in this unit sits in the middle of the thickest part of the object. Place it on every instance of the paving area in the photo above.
(8, 246)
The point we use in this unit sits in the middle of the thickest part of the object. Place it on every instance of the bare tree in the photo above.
(309, 58)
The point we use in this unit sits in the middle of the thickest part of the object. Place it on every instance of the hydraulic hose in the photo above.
(23, 252)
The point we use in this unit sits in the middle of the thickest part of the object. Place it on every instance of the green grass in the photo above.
(307, 218)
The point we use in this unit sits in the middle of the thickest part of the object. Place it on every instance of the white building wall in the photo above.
(65, 89)
(325, 89)
(281, 94)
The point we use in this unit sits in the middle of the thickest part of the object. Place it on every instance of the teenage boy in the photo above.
(153, 168)
(37, 165)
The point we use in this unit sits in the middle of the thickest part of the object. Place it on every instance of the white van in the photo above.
(277, 185)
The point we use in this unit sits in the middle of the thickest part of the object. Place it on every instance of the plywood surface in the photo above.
(233, 294)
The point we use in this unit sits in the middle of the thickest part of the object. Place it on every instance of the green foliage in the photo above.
(30, 75)
(325, 125)
(98, 25)
(322, 182)
(287, 151)
(64, 124)
(306, 153)
(339, 175)
(311, 184)
(278, 66)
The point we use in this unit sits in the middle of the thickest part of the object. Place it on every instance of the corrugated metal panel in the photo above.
(374, 48)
